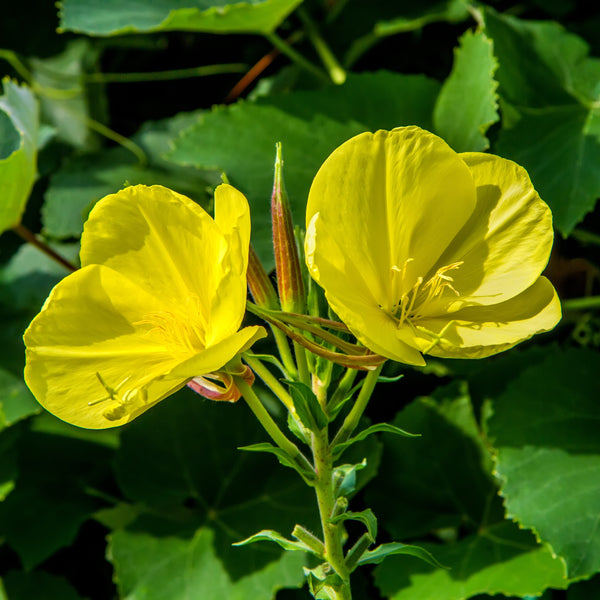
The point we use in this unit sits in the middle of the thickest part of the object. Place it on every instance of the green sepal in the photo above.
(357, 551)
(268, 358)
(379, 554)
(313, 544)
(268, 535)
(344, 478)
(338, 449)
(283, 457)
(366, 517)
(307, 406)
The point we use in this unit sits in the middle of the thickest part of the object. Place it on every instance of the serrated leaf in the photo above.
(310, 125)
(307, 406)
(365, 433)
(366, 517)
(115, 17)
(467, 103)
(550, 90)
(154, 568)
(18, 151)
(267, 535)
(379, 554)
(503, 560)
(545, 432)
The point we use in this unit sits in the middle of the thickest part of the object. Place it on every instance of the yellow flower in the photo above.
(421, 250)
(158, 301)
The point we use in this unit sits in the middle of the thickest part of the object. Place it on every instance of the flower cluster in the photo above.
(419, 250)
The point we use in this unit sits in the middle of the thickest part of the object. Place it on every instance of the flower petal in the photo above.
(88, 327)
(478, 331)
(159, 239)
(232, 215)
(506, 243)
(384, 199)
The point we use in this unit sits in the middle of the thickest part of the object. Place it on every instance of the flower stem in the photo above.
(296, 57)
(303, 373)
(335, 70)
(359, 406)
(270, 381)
(269, 424)
(332, 532)
(34, 240)
(585, 303)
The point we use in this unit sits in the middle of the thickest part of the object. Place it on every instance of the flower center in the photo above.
(182, 331)
(422, 293)
(118, 406)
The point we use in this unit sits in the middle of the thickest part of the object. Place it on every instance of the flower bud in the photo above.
(289, 275)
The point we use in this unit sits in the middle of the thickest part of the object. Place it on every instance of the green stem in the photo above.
(332, 532)
(585, 303)
(296, 57)
(335, 70)
(303, 372)
(359, 406)
(165, 75)
(284, 350)
(15, 62)
(270, 381)
(269, 424)
(586, 237)
(118, 138)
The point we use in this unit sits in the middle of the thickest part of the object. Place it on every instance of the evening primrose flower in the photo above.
(421, 250)
(158, 302)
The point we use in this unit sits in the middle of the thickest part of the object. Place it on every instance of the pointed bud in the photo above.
(259, 284)
(220, 385)
(289, 275)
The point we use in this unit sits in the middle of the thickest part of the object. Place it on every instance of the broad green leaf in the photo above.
(550, 90)
(18, 151)
(116, 17)
(25, 586)
(467, 104)
(82, 181)
(282, 456)
(544, 429)
(307, 406)
(501, 559)
(155, 568)
(50, 501)
(439, 480)
(240, 139)
(182, 458)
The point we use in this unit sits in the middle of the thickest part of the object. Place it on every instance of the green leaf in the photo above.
(18, 151)
(344, 478)
(467, 104)
(544, 429)
(49, 502)
(115, 17)
(25, 586)
(500, 560)
(439, 480)
(282, 456)
(365, 433)
(310, 125)
(154, 568)
(267, 535)
(181, 458)
(379, 554)
(16, 401)
(307, 406)
(83, 180)
(8, 462)
(366, 517)
(550, 90)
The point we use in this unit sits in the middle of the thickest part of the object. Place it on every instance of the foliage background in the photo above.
(503, 486)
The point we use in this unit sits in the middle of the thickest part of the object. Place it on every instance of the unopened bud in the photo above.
(259, 284)
(287, 263)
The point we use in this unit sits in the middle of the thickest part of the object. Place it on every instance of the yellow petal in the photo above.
(232, 215)
(161, 240)
(384, 199)
(87, 328)
(479, 331)
(506, 243)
